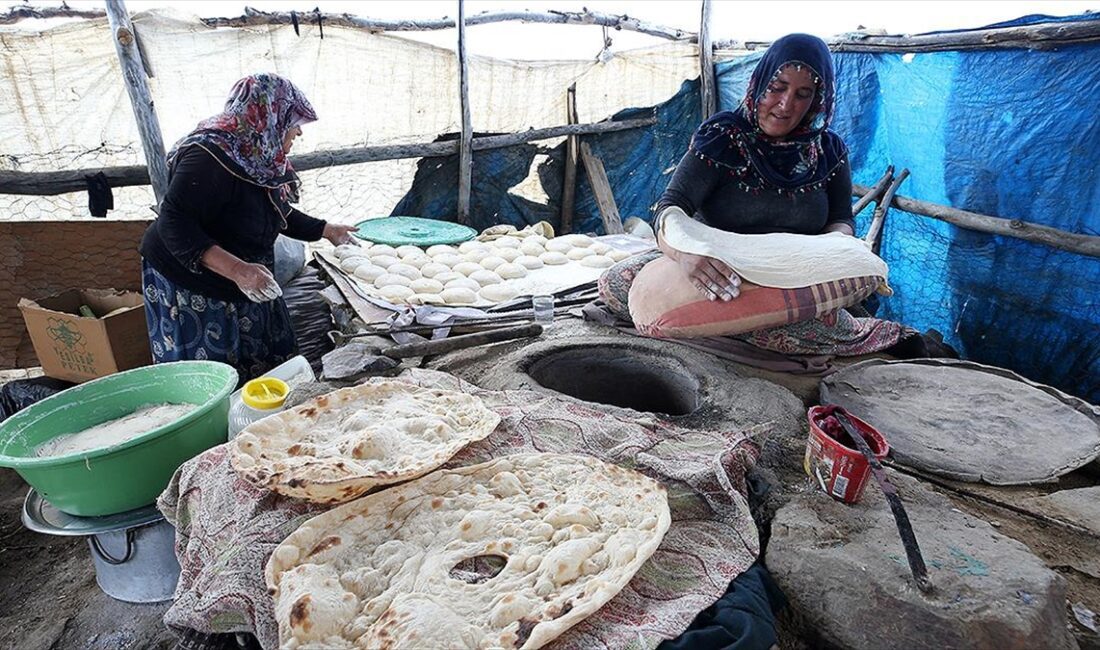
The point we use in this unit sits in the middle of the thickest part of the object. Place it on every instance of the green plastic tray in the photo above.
(130, 475)
(399, 231)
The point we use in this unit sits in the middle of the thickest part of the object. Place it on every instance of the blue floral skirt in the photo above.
(186, 325)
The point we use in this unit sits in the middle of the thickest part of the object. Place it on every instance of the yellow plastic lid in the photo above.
(264, 393)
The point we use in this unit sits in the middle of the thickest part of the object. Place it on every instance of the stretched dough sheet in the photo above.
(779, 260)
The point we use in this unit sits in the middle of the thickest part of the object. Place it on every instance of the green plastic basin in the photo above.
(132, 474)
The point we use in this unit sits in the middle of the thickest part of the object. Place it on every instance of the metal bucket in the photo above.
(134, 551)
(137, 565)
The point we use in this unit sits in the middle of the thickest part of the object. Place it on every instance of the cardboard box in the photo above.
(78, 348)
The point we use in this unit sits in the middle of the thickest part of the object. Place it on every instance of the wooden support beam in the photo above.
(133, 71)
(569, 182)
(74, 180)
(878, 220)
(466, 145)
(1041, 36)
(1088, 245)
(708, 86)
(601, 189)
(875, 192)
(253, 17)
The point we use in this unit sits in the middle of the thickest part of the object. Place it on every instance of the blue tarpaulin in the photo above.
(1010, 133)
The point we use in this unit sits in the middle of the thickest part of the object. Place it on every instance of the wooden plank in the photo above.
(141, 100)
(466, 147)
(1088, 245)
(601, 189)
(569, 181)
(709, 87)
(50, 183)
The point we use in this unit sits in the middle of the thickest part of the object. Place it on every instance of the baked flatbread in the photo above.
(338, 446)
(506, 554)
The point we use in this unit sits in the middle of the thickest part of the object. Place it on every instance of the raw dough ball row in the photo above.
(450, 275)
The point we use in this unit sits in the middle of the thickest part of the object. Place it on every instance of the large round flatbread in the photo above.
(967, 421)
(338, 446)
(413, 566)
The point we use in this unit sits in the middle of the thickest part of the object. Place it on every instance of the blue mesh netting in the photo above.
(1008, 133)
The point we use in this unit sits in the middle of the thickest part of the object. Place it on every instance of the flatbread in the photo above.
(412, 566)
(779, 260)
(338, 446)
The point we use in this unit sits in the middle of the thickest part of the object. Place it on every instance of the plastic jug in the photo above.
(260, 398)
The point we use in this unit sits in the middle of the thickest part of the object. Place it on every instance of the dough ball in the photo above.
(369, 272)
(382, 249)
(510, 271)
(432, 269)
(407, 270)
(409, 249)
(472, 245)
(396, 293)
(349, 264)
(385, 261)
(426, 285)
(446, 276)
(458, 296)
(508, 254)
(618, 255)
(441, 249)
(529, 262)
(498, 292)
(580, 241)
(597, 261)
(466, 268)
(448, 259)
(491, 262)
(418, 260)
(349, 250)
(476, 256)
(553, 258)
(600, 249)
(579, 253)
(485, 277)
(537, 239)
(462, 283)
(426, 299)
(391, 279)
(531, 248)
(507, 242)
(558, 245)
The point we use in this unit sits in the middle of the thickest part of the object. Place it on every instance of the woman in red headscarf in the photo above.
(208, 259)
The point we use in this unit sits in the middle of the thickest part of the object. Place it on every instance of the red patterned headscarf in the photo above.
(247, 136)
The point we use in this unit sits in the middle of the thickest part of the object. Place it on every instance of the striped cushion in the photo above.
(663, 303)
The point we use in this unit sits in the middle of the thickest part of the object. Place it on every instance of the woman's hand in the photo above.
(711, 277)
(255, 282)
(338, 234)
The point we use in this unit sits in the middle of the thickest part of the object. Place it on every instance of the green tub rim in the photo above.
(17, 420)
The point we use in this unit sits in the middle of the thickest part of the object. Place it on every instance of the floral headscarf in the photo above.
(802, 160)
(247, 136)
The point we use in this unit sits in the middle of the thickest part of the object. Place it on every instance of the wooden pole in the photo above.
(601, 189)
(1088, 245)
(569, 182)
(875, 192)
(465, 151)
(140, 99)
(74, 180)
(878, 220)
(708, 85)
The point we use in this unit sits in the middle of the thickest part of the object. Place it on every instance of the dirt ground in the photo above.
(48, 594)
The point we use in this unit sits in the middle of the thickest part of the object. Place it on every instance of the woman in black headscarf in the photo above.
(773, 166)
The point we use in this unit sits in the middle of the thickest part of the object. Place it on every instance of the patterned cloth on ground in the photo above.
(227, 528)
(186, 325)
(840, 334)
